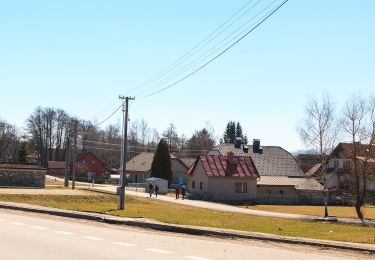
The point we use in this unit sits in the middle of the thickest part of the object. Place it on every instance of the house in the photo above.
(273, 161)
(88, 165)
(22, 175)
(307, 161)
(339, 168)
(282, 181)
(188, 161)
(138, 169)
(56, 168)
(223, 178)
(287, 190)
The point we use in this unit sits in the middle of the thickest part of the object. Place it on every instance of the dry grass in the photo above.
(187, 215)
(338, 211)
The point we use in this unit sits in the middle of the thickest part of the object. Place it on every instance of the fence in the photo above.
(136, 186)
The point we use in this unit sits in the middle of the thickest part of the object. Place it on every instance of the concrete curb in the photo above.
(191, 230)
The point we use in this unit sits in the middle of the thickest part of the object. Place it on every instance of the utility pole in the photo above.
(67, 163)
(121, 188)
(74, 154)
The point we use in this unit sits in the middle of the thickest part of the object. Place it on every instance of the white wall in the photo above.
(198, 176)
(223, 188)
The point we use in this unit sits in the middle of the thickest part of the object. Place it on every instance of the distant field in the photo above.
(187, 215)
(339, 211)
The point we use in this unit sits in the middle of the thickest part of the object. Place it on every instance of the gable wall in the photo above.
(198, 176)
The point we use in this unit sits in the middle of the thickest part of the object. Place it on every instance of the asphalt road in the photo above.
(34, 236)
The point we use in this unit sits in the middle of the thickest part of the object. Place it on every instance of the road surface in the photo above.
(35, 236)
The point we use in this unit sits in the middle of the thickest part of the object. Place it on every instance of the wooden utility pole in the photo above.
(121, 188)
(74, 154)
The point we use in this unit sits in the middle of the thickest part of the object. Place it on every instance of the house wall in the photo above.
(137, 177)
(288, 195)
(272, 194)
(179, 170)
(338, 163)
(56, 172)
(89, 163)
(223, 188)
(198, 176)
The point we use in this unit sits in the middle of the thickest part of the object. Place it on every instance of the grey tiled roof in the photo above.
(188, 161)
(141, 163)
(309, 184)
(274, 161)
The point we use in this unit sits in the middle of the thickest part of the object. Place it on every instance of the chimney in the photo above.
(238, 142)
(232, 163)
(256, 146)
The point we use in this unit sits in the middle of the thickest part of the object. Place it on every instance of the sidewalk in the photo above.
(226, 208)
(191, 230)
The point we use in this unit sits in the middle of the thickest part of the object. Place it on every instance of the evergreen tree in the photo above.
(245, 139)
(22, 153)
(239, 132)
(161, 165)
(230, 132)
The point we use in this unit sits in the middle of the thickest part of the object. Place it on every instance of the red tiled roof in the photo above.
(221, 166)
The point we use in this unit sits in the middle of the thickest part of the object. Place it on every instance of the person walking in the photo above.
(156, 190)
(151, 189)
(177, 192)
(183, 192)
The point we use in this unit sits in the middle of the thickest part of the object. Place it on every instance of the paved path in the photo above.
(31, 236)
(226, 208)
(43, 191)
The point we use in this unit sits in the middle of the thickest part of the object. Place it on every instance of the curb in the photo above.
(191, 230)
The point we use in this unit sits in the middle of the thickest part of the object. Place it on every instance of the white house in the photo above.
(225, 178)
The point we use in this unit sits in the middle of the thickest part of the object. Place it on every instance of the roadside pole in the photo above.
(67, 162)
(121, 188)
(74, 154)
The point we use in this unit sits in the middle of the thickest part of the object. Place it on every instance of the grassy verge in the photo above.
(187, 215)
(338, 211)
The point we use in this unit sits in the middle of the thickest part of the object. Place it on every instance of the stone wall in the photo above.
(22, 175)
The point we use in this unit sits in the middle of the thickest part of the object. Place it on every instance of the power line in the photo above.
(218, 55)
(114, 112)
(193, 50)
(213, 49)
(142, 147)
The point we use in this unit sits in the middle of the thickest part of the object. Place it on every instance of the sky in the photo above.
(81, 55)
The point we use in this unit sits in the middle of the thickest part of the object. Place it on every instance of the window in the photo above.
(193, 185)
(281, 193)
(201, 185)
(346, 164)
(240, 187)
(335, 164)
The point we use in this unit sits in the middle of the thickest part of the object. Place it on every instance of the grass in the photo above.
(187, 215)
(338, 211)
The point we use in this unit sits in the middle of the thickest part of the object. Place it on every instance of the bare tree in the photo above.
(318, 130)
(358, 123)
(9, 142)
(171, 136)
(200, 143)
(155, 138)
(144, 132)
